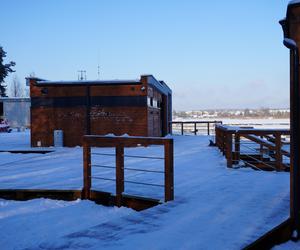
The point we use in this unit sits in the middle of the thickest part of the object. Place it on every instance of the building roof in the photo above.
(160, 85)
(90, 82)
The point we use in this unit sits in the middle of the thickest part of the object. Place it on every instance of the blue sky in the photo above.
(213, 54)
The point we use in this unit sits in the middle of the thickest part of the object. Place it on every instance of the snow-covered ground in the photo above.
(214, 207)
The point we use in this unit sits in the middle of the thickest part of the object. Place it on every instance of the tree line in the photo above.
(15, 88)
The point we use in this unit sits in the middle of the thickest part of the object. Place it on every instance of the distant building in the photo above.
(135, 107)
(16, 111)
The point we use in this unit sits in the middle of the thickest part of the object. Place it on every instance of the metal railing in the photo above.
(119, 143)
(263, 149)
(193, 127)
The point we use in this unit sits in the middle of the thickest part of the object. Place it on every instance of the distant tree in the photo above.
(5, 69)
(16, 88)
(265, 112)
(247, 112)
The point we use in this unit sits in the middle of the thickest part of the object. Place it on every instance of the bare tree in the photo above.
(16, 88)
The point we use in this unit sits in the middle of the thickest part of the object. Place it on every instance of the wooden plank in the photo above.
(278, 153)
(237, 148)
(260, 141)
(86, 171)
(111, 141)
(28, 194)
(208, 129)
(278, 235)
(119, 174)
(169, 171)
(229, 149)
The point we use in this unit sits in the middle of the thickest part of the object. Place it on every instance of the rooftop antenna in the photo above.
(98, 72)
(81, 75)
(98, 65)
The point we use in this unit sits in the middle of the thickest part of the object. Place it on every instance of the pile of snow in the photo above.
(214, 207)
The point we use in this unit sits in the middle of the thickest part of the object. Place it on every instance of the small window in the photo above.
(158, 104)
(44, 91)
(148, 101)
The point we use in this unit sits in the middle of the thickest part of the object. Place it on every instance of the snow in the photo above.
(290, 43)
(294, 2)
(288, 246)
(214, 207)
(104, 82)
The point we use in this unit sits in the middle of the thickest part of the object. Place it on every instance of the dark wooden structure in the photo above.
(135, 107)
(106, 198)
(290, 229)
(259, 148)
(119, 143)
(291, 30)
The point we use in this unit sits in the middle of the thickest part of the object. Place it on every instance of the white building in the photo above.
(16, 111)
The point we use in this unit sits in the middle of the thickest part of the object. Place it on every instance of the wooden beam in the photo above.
(119, 174)
(169, 171)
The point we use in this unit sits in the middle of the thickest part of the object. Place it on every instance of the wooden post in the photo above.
(169, 171)
(261, 150)
(195, 128)
(278, 154)
(229, 149)
(181, 128)
(237, 148)
(86, 171)
(208, 128)
(223, 142)
(217, 137)
(119, 174)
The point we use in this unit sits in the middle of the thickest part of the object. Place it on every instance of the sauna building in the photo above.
(140, 107)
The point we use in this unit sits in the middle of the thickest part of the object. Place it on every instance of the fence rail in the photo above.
(119, 143)
(258, 148)
(194, 127)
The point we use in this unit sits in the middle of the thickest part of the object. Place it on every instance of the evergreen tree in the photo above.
(5, 69)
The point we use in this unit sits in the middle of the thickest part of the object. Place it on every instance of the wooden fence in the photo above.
(269, 142)
(194, 127)
(119, 143)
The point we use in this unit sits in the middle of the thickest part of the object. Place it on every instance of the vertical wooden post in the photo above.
(223, 142)
(278, 154)
(237, 147)
(229, 149)
(208, 133)
(181, 128)
(195, 128)
(261, 150)
(86, 171)
(119, 174)
(217, 137)
(169, 170)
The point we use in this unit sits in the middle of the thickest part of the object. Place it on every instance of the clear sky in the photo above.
(213, 54)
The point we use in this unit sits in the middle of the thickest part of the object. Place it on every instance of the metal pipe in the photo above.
(295, 124)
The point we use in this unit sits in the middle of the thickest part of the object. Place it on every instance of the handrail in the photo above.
(195, 123)
(228, 140)
(119, 143)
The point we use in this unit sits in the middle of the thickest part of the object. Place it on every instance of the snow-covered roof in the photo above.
(90, 82)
